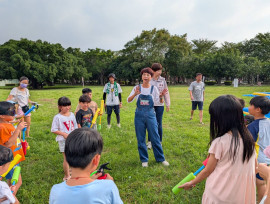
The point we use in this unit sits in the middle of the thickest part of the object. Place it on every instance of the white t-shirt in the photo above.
(146, 91)
(20, 96)
(5, 192)
(64, 124)
(111, 99)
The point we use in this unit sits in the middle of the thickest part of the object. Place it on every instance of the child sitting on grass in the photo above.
(83, 151)
(9, 136)
(6, 156)
(85, 115)
(63, 124)
(230, 170)
(260, 130)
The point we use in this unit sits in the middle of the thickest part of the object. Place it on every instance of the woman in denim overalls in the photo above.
(145, 118)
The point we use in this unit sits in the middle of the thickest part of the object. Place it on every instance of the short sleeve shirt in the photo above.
(197, 90)
(98, 191)
(111, 98)
(20, 96)
(6, 131)
(64, 124)
(5, 192)
(84, 118)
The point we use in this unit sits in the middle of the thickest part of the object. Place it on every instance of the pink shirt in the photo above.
(230, 182)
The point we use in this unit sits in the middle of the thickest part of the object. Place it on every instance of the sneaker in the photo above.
(149, 145)
(201, 123)
(119, 125)
(109, 126)
(165, 163)
(145, 164)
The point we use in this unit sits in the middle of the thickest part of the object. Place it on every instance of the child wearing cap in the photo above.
(112, 91)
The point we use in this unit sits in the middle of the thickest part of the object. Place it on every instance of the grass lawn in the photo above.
(185, 145)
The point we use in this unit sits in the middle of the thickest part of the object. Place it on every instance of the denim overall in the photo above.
(145, 118)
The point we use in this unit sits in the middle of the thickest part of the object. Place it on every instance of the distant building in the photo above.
(10, 82)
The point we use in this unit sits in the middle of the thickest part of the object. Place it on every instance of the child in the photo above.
(114, 100)
(85, 115)
(260, 130)
(63, 124)
(264, 172)
(230, 170)
(145, 117)
(6, 156)
(83, 151)
(9, 136)
(161, 84)
(93, 105)
(196, 91)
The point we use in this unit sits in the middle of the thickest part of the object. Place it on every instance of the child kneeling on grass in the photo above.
(6, 156)
(82, 151)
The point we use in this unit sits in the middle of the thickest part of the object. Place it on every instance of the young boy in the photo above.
(6, 156)
(114, 100)
(260, 130)
(85, 115)
(83, 151)
(9, 136)
(196, 91)
(93, 105)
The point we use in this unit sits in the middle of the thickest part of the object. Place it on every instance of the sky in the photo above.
(110, 24)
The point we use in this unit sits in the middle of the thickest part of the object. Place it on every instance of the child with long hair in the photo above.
(63, 124)
(230, 170)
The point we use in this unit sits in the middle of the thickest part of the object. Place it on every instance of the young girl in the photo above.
(63, 124)
(145, 117)
(230, 170)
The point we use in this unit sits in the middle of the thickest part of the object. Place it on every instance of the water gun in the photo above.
(12, 164)
(15, 176)
(95, 117)
(101, 112)
(101, 170)
(24, 143)
(188, 178)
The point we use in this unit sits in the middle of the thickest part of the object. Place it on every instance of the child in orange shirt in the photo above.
(9, 136)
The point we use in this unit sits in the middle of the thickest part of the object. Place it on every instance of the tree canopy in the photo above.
(46, 63)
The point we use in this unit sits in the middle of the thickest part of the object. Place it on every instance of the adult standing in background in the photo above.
(161, 84)
(196, 91)
(21, 95)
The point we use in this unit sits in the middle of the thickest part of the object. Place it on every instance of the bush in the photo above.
(228, 83)
(210, 83)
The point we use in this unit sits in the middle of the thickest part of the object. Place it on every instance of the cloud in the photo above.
(111, 24)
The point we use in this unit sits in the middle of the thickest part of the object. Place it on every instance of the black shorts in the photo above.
(197, 103)
(111, 108)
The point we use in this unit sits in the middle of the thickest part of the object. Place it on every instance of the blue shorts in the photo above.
(259, 177)
(111, 108)
(197, 103)
(10, 173)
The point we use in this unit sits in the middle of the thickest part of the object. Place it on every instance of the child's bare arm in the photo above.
(65, 135)
(210, 167)
(13, 139)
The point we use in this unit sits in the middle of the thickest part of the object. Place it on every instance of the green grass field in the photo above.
(185, 146)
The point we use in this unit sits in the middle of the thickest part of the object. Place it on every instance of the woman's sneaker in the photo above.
(165, 163)
(145, 164)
